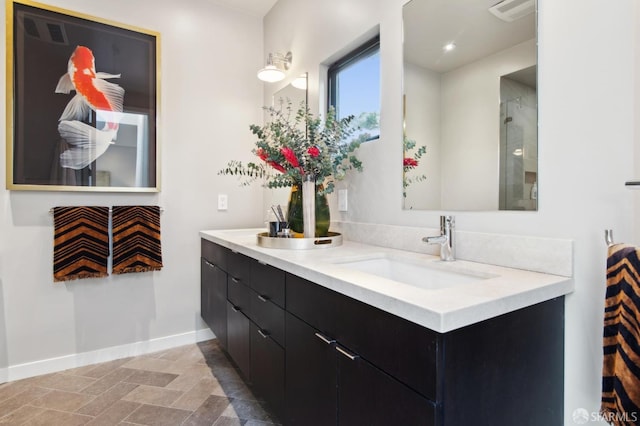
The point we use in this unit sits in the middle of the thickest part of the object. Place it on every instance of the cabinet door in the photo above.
(368, 396)
(267, 369)
(213, 299)
(238, 343)
(310, 376)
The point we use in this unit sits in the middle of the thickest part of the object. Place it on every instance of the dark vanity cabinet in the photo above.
(246, 312)
(321, 358)
(213, 289)
(365, 369)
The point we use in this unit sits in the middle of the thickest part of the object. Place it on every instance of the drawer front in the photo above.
(238, 295)
(268, 317)
(314, 304)
(268, 282)
(214, 253)
(239, 267)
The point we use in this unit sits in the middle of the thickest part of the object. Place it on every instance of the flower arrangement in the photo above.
(294, 144)
(409, 162)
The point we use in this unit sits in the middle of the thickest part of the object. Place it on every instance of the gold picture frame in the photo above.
(82, 102)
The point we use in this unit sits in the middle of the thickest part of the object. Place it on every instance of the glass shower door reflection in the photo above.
(519, 150)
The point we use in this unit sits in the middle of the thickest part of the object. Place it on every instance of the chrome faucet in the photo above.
(445, 239)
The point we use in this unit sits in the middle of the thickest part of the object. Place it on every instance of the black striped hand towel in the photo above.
(136, 239)
(621, 342)
(81, 242)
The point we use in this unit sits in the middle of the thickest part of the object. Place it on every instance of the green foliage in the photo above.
(409, 162)
(293, 144)
(368, 120)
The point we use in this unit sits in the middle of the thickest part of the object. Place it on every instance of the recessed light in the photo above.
(449, 47)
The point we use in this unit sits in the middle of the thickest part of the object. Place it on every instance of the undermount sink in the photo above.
(413, 273)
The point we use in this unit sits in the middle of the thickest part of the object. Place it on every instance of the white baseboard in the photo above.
(52, 365)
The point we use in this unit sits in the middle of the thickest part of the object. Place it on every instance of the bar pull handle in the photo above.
(235, 280)
(211, 265)
(235, 309)
(325, 339)
(263, 298)
(346, 353)
(263, 334)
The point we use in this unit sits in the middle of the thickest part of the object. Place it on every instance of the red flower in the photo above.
(313, 151)
(264, 157)
(290, 156)
(409, 162)
(276, 166)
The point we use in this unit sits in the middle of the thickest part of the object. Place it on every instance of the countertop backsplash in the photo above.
(546, 255)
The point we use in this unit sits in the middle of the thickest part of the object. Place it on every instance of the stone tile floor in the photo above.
(190, 385)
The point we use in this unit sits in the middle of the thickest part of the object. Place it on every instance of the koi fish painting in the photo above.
(83, 95)
(93, 92)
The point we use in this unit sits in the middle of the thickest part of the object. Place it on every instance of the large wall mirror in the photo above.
(470, 105)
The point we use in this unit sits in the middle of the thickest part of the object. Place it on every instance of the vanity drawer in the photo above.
(404, 350)
(268, 282)
(239, 267)
(312, 303)
(268, 317)
(239, 295)
(214, 253)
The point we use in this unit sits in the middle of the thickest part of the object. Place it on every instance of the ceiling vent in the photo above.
(511, 10)
(48, 31)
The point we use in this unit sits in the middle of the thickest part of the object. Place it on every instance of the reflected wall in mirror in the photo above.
(470, 119)
(295, 92)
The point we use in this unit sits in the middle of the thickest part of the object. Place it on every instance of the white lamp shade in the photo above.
(300, 82)
(270, 74)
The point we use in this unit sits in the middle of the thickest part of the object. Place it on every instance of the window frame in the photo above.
(365, 50)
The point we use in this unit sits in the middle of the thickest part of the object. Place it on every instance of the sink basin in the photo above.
(412, 272)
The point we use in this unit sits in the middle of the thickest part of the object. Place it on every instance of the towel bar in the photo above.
(110, 209)
(608, 237)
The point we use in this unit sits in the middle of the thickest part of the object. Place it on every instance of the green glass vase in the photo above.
(294, 214)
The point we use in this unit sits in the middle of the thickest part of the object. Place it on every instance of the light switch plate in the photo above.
(342, 200)
(223, 202)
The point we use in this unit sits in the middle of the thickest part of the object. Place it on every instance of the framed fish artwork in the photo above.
(82, 102)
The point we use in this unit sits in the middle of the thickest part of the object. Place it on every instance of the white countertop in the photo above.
(501, 289)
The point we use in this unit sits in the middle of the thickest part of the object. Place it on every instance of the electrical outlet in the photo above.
(223, 202)
(342, 200)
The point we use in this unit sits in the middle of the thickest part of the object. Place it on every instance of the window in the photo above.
(354, 88)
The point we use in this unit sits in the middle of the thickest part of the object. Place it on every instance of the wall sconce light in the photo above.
(271, 73)
(300, 82)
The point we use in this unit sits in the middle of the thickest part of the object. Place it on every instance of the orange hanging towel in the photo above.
(136, 239)
(621, 341)
(81, 242)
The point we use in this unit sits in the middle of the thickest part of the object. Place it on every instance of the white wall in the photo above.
(209, 96)
(586, 136)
